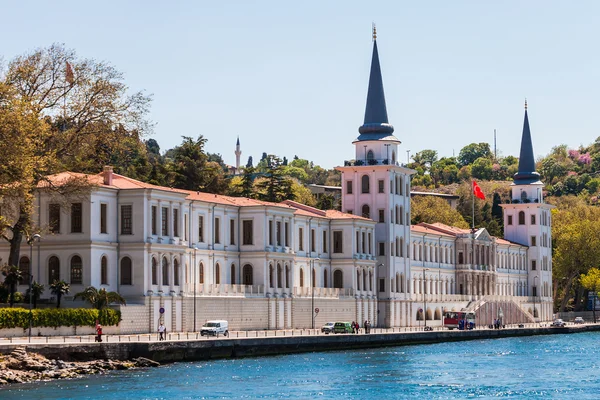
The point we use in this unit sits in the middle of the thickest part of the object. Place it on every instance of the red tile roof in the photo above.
(424, 229)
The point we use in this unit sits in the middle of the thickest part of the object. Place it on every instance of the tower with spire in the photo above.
(238, 155)
(528, 221)
(376, 186)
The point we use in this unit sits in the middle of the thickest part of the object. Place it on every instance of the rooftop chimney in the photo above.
(108, 175)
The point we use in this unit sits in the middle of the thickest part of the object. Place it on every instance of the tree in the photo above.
(59, 288)
(425, 158)
(431, 209)
(444, 171)
(37, 289)
(482, 168)
(250, 163)
(12, 276)
(472, 152)
(591, 280)
(50, 119)
(275, 186)
(99, 299)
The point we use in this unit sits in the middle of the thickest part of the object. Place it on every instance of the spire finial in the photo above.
(525, 103)
(374, 32)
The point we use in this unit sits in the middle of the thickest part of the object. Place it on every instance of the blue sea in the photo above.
(554, 366)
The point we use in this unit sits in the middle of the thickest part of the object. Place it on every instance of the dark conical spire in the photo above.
(376, 119)
(527, 173)
(238, 141)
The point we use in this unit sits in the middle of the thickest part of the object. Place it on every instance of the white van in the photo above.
(214, 328)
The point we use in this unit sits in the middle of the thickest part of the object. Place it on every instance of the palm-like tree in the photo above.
(36, 291)
(99, 299)
(59, 288)
(12, 276)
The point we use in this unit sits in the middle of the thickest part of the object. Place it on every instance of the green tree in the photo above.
(472, 152)
(444, 171)
(12, 276)
(99, 299)
(59, 288)
(275, 186)
(37, 289)
(425, 158)
(431, 209)
(482, 168)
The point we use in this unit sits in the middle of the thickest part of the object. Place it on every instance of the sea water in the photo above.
(554, 366)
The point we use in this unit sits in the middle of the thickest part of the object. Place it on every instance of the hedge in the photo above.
(56, 317)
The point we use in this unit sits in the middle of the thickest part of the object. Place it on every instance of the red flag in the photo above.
(69, 74)
(477, 191)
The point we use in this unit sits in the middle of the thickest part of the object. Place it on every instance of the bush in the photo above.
(55, 317)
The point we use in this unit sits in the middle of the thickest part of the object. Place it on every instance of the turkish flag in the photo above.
(477, 191)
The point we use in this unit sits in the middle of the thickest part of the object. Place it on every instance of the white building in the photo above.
(198, 256)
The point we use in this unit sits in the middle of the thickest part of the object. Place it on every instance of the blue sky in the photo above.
(291, 78)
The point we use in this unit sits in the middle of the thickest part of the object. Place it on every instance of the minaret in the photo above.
(238, 154)
(527, 221)
(376, 186)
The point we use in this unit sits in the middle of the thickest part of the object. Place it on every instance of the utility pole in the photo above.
(495, 154)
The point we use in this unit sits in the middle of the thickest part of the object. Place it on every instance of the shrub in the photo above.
(55, 317)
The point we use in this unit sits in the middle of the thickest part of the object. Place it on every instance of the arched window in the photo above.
(279, 275)
(154, 271)
(218, 274)
(521, 217)
(338, 279)
(175, 272)
(325, 278)
(366, 211)
(233, 274)
(165, 271)
(301, 277)
(523, 197)
(76, 271)
(53, 270)
(247, 271)
(364, 274)
(357, 280)
(271, 278)
(370, 155)
(314, 278)
(126, 271)
(365, 184)
(24, 269)
(371, 281)
(287, 276)
(201, 273)
(104, 270)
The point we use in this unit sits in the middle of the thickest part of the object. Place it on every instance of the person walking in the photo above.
(161, 331)
(98, 333)
(366, 326)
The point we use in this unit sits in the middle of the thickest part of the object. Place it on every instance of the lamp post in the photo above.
(424, 299)
(534, 295)
(407, 157)
(312, 290)
(30, 242)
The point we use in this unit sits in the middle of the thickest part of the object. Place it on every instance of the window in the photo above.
(218, 274)
(76, 218)
(300, 239)
(338, 279)
(165, 221)
(154, 227)
(201, 273)
(76, 271)
(175, 222)
(349, 212)
(271, 277)
(533, 265)
(165, 271)
(279, 275)
(278, 233)
(399, 185)
(380, 184)
(54, 218)
(154, 271)
(337, 242)
(103, 218)
(312, 240)
(365, 184)
(126, 271)
(175, 272)
(382, 285)
(287, 277)
(247, 272)
(366, 211)
(510, 220)
(521, 218)
(532, 219)
(370, 249)
(104, 270)
(533, 241)
(325, 283)
(364, 243)
(24, 266)
(460, 257)
(382, 216)
(201, 228)
(348, 187)
(287, 234)
(301, 277)
(270, 233)
(381, 248)
(324, 241)
(534, 295)
(233, 274)
(217, 230)
(232, 231)
(370, 155)
(185, 227)
(247, 232)
(126, 220)
(53, 270)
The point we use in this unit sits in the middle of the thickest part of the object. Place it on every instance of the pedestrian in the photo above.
(98, 333)
(161, 331)
(366, 326)
(357, 327)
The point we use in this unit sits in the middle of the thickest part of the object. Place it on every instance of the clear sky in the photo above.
(290, 78)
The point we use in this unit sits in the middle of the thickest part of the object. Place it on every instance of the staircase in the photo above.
(487, 311)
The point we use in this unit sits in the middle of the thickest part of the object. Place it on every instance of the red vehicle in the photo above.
(459, 320)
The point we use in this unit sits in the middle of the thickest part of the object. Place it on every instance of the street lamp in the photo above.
(424, 299)
(534, 295)
(312, 289)
(30, 242)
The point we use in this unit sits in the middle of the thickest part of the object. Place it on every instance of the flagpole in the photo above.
(473, 205)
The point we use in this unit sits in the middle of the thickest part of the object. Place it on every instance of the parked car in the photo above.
(579, 320)
(328, 327)
(558, 323)
(342, 327)
(215, 328)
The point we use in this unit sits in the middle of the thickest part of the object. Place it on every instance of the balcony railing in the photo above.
(225, 290)
(324, 292)
(372, 161)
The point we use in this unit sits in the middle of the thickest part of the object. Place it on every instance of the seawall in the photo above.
(195, 350)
